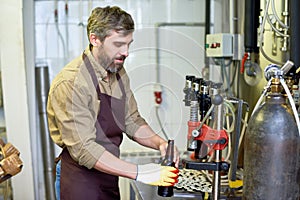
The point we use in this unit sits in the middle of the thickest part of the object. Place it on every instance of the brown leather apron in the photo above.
(79, 182)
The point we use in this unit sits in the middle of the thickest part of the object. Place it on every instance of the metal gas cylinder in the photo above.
(271, 156)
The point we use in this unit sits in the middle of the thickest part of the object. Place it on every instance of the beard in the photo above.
(114, 68)
(108, 63)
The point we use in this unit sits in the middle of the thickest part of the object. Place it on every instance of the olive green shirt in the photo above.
(73, 106)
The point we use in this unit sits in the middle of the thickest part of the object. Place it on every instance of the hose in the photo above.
(262, 96)
(231, 109)
(275, 29)
(245, 124)
(262, 33)
(276, 16)
(292, 103)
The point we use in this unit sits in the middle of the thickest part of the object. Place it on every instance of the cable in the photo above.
(67, 28)
(223, 67)
(229, 105)
(230, 83)
(160, 124)
(58, 31)
(229, 135)
(262, 96)
(46, 38)
(245, 124)
(206, 117)
(268, 58)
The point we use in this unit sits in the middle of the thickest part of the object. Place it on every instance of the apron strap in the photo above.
(91, 71)
(94, 77)
(121, 84)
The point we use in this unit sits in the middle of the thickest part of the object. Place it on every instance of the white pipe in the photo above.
(261, 35)
(244, 128)
(261, 97)
(292, 103)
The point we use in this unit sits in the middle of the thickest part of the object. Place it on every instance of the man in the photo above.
(90, 105)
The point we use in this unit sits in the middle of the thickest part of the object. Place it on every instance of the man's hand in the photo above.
(163, 150)
(155, 174)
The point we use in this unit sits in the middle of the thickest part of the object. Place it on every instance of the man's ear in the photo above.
(94, 39)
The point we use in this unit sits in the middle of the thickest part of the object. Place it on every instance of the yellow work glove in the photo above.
(155, 174)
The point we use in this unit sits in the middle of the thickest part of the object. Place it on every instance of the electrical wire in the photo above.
(216, 61)
(229, 105)
(67, 28)
(81, 24)
(269, 58)
(230, 130)
(46, 38)
(229, 133)
(224, 71)
(245, 124)
(58, 30)
(160, 123)
(224, 65)
(205, 117)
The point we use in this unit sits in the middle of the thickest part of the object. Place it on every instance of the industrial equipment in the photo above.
(272, 141)
(249, 66)
(207, 137)
(271, 162)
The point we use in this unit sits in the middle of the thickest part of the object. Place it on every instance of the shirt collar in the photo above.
(97, 67)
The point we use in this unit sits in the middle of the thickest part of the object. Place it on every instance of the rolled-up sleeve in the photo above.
(72, 122)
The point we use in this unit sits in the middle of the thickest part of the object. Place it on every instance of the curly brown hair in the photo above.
(104, 20)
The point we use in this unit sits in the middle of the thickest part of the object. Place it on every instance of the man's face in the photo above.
(113, 51)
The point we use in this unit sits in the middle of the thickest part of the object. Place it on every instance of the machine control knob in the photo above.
(195, 133)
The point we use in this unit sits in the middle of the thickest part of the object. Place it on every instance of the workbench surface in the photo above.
(141, 191)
